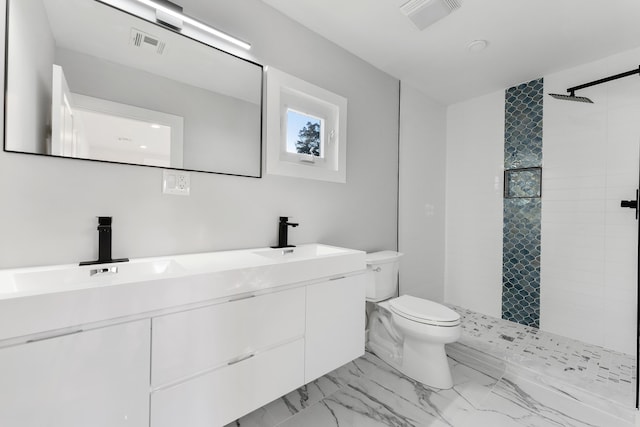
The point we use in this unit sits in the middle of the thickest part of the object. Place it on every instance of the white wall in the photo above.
(475, 164)
(30, 74)
(589, 244)
(421, 195)
(49, 205)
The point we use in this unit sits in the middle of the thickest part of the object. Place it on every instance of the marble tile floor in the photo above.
(604, 377)
(368, 393)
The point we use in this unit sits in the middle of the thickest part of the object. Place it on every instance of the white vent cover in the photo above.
(425, 12)
(147, 41)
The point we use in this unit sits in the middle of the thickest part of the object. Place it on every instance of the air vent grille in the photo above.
(412, 6)
(424, 13)
(453, 4)
(147, 41)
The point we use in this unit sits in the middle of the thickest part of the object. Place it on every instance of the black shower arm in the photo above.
(571, 90)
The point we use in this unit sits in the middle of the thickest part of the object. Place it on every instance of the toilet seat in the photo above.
(424, 311)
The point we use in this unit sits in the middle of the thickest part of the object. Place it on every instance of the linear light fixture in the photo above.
(158, 6)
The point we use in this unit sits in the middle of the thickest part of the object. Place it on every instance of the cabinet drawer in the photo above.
(221, 396)
(188, 343)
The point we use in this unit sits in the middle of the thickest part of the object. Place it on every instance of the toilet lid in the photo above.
(424, 311)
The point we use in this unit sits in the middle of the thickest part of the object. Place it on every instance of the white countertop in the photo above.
(38, 299)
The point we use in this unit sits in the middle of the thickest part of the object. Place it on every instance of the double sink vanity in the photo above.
(189, 340)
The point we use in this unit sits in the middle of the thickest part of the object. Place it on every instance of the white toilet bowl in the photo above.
(425, 327)
(407, 332)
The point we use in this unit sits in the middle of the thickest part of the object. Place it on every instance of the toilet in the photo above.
(407, 332)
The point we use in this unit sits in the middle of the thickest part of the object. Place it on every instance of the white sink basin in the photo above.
(68, 277)
(43, 280)
(37, 299)
(300, 252)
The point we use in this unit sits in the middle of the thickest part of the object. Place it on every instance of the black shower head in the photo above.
(571, 98)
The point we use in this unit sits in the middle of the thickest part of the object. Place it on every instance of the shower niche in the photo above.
(523, 183)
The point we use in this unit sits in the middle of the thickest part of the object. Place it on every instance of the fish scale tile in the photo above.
(522, 213)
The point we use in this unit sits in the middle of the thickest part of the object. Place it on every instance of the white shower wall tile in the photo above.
(595, 145)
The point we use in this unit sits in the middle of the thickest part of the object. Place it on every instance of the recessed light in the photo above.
(477, 45)
(143, 147)
(155, 126)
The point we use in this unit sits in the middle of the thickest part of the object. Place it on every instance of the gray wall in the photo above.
(49, 205)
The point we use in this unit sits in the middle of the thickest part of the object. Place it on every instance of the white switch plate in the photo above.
(176, 182)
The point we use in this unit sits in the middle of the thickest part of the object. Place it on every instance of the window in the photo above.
(306, 129)
(305, 134)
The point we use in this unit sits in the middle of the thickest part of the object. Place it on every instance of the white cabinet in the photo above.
(202, 366)
(214, 364)
(335, 322)
(97, 378)
(194, 341)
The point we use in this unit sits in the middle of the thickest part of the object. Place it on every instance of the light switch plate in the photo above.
(176, 182)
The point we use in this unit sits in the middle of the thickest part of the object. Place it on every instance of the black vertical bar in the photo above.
(638, 297)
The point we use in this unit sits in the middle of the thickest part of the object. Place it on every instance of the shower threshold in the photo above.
(590, 374)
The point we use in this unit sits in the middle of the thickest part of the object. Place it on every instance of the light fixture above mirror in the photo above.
(171, 14)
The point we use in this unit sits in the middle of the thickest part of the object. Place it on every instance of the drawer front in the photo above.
(221, 396)
(188, 343)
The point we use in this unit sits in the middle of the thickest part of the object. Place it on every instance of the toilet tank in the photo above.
(382, 275)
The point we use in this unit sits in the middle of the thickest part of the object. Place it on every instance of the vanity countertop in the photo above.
(39, 299)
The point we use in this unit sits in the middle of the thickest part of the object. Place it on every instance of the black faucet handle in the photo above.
(105, 220)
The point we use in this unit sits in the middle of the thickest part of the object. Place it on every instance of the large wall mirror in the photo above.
(89, 81)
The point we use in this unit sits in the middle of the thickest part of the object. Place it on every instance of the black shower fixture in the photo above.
(572, 90)
(571, 97)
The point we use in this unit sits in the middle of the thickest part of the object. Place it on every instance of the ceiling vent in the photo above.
(147, 41)
(425, 12)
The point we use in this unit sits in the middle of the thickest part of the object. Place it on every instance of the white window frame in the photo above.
(286, 92)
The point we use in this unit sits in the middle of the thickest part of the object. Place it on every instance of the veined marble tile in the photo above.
(496, 418)
(569, 392)
(354, 407)
(518, 397)
(281, 409)
(570, 364)
(369, 393)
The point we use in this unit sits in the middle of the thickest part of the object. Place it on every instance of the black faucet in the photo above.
(104, 243)
(283, 233)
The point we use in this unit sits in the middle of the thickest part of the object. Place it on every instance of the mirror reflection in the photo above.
(88, 81)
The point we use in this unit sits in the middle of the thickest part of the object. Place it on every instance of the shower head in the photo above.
(572, 90)
(571, 97)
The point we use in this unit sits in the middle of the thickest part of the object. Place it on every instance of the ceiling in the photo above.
(527, 39)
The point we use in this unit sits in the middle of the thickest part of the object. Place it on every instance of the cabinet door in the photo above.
(98, 378)
(335, 325)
